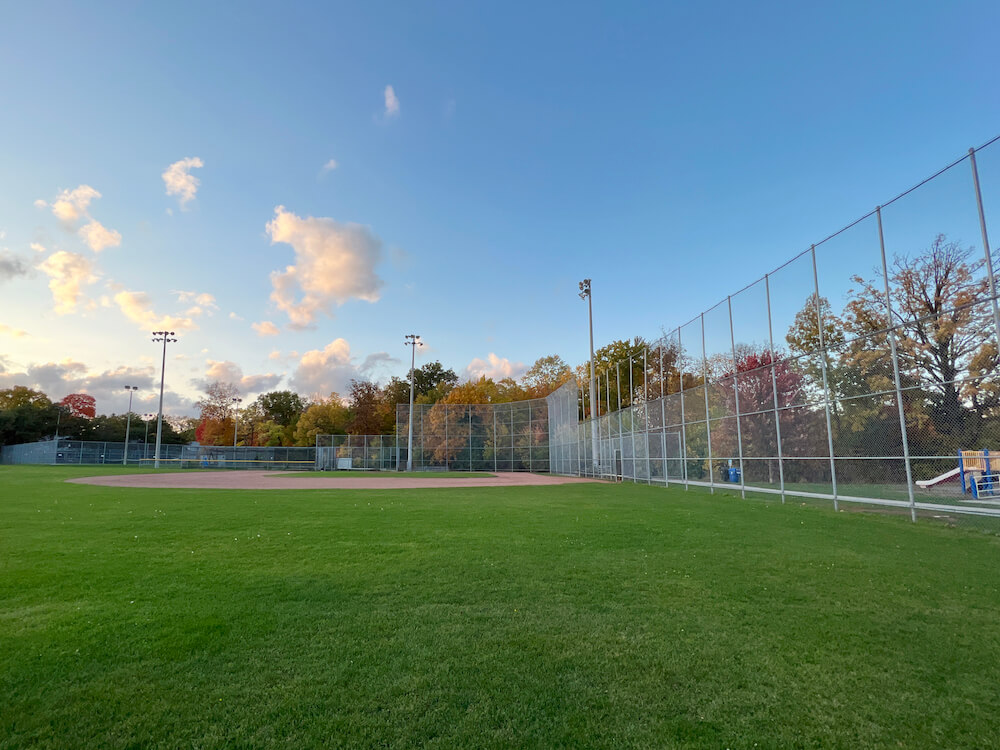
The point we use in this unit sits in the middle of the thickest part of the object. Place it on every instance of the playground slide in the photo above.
(942, 478)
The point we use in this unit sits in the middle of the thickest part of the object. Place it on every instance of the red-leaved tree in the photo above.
(80, 405)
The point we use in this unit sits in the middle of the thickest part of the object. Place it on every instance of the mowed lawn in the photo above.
(587, 615)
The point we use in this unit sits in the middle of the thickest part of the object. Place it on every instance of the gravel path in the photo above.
(293, 480)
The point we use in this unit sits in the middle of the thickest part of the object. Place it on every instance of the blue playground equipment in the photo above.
(977, 475)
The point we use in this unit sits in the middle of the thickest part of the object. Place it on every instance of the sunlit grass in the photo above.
(585, 615)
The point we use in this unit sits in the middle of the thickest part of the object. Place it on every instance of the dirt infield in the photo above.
(291, 480)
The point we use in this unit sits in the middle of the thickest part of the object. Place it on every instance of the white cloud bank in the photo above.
(494, 367)
(334, 262)
(227, 371)
(320, 372)
(180, 182)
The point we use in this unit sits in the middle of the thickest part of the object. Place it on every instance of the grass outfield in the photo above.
(586, 615)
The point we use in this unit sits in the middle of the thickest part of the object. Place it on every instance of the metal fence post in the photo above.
(774, 388)
(891, 332)
(986, 247)
(708, 422)
(645, 412)
(631, 414)
(683, 446)
(826, 384)
(736, 393)
(663, 423)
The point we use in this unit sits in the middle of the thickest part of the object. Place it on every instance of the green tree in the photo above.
(546, 375)
(281, 407)
(325, 417)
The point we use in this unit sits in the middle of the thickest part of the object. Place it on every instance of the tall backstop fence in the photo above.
(855, 372)
(476, 437)
(356, 452)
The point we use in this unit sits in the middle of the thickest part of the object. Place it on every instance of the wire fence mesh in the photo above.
(857, 371)
(82, 452)
(476, 437)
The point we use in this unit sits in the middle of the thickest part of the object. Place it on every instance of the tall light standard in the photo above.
(413, 340)
(128, 420)
(236, 427)
(145, 438)
(163, 336)
(586, 294)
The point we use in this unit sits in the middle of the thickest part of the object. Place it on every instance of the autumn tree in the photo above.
(940, 327)
(80, 405)
(612, 362)
(368, 409)
(759, 390)
(546, 375)
(216, 423)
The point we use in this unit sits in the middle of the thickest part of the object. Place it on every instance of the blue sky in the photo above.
(671, 152)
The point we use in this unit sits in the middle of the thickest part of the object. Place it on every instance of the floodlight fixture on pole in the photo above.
(145, 438)
(414, 341)
(128, 421)
(585, 293)
(165, 337)
(236, 425)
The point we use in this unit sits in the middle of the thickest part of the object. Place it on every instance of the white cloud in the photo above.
(97, 236)
(59, 379)
(230, 372)
(330, 166)
(68, 273)
(495, 367)
(179, 180)
(322, 371)
(204, 303)
(334, 262)
(391, 102)
(138, 307)
(71, 205)
(6, 330)
(234, 316)
(275, 355)
(265, 328)
(37, 247)
(203, 299)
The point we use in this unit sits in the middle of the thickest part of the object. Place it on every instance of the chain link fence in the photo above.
(476, 437)
(356, 452)
(63, 451)
(857, 372)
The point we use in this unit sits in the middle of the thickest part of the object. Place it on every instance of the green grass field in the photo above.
(588, 615)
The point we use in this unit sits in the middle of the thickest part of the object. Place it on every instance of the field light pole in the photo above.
(585, 293)
(412, 340)
(145, 438)
(236, 426)
(128, 420)
(163, 336)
